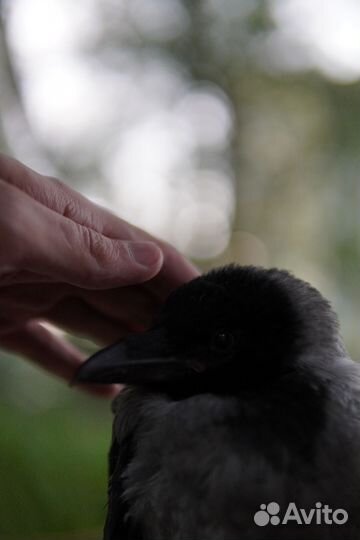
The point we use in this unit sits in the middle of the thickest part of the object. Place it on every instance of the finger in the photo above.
(50, 352)
(59, 197)
(175, 271)
(14, 277)
(132, 306)
(49, 244)
(62, 199)
(21, 302)
(80, 319)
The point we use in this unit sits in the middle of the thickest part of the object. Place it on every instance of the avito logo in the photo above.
(320, 515)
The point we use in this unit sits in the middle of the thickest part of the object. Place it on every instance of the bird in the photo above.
(241, 397)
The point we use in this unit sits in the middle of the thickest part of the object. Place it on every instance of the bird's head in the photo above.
(232, 328)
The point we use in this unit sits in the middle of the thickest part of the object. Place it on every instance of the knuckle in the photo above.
(70, 208)
(110, 260)
(100, 248)
(71, 205)
(63, 201)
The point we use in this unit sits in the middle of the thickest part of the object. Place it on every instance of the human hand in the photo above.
(65, 260)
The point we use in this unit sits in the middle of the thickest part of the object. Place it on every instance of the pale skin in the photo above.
(69, 262)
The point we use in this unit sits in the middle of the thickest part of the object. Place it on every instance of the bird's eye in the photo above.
(222, 341)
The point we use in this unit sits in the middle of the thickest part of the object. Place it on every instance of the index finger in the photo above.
(61, 198)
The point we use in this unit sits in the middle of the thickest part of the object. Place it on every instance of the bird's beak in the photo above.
(140, 359)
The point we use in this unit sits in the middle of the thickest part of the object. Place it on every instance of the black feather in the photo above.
(242, 393)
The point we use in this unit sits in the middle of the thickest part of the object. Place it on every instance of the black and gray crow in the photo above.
(240, 395)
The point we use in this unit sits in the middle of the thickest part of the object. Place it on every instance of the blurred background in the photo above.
(230, 128)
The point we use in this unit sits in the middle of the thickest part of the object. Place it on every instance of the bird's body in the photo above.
(267, 409)
(203, 477)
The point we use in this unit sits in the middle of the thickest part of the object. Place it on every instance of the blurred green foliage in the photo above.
(53, 459)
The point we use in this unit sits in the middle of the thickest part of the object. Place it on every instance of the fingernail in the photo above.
(145, 253)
